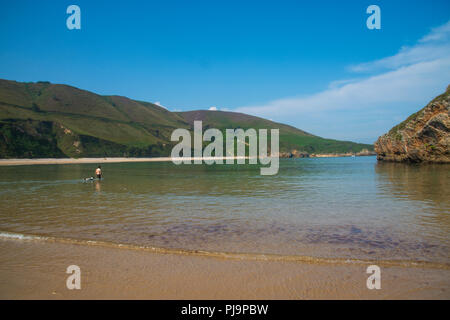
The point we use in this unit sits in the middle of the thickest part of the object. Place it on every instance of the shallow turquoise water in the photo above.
(324, 207)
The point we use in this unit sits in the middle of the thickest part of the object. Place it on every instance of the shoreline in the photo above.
(18, 162)
(226, 255)
(37, 270)
(43, 161)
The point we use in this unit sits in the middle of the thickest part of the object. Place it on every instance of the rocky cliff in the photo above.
(423, 137)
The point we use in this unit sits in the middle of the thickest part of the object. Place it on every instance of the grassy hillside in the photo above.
(290, 138)
(53, 120)
(83, 123)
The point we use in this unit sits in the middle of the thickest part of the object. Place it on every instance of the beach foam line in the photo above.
(227, 255)
(17, 236)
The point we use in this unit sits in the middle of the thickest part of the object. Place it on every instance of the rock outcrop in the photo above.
(294, 154)
(423, 137)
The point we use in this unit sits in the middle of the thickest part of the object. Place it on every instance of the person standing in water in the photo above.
(98, 172)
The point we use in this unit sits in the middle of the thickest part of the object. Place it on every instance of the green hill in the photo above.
(291, 138)
(53, 120)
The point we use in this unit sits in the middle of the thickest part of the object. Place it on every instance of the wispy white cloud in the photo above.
(213, 109)
(434, 45)
(339, 83)
(404, 84)
(394, 87)
(405, 57)
(160, 105)
(441, 33)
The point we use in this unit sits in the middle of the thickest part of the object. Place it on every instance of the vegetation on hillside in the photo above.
(290, 138)
(52, 120)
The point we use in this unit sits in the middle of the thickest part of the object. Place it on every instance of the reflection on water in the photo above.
(428, 182)
(98, 186)
(335, 207)
(426, 185)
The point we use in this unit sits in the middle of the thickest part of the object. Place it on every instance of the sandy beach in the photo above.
(18, 162)
(37, 270)
(24, 162)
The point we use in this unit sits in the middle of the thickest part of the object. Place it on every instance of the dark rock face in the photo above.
(295, 154)
(423, 137)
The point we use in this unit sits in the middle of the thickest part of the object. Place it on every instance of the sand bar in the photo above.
(18, 162)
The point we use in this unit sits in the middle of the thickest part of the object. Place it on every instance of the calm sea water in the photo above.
(351, 208)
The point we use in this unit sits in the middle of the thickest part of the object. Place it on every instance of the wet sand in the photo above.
(25, 162)
(36, 270)
(18, 162)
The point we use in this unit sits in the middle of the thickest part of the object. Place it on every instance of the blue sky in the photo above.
(311, 64)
